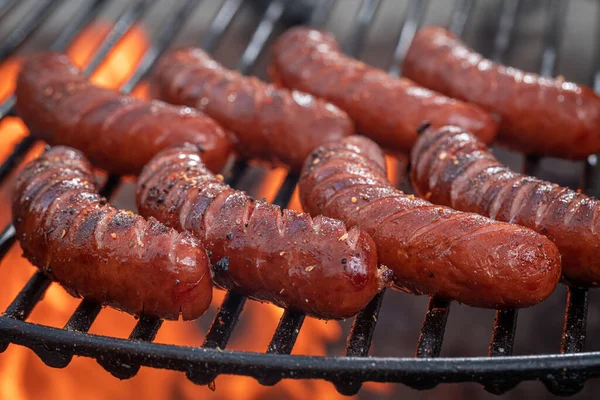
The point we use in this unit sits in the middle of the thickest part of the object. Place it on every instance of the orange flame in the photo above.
(22, 373)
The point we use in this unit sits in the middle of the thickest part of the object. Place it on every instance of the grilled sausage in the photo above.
(431, 249)
(539, 116)
(387, 109)
(272, 124)
(315, 266)
(116, 132)
(452, 167)
(95, 251)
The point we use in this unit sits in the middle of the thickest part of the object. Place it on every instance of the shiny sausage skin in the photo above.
(387, 109)
(272, 124)
(539, 116)
(116, 132)
(95, 251)
(315, 266)
(452, 167)
(432, 249)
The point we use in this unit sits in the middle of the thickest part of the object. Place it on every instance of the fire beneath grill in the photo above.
(24, 376)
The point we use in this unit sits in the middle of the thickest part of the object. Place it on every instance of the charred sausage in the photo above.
(539, 116)
(315, 266)
(116, 132)
(272, 124)
(452, 167)
(387, 109)
(432, 249)
(95, 251)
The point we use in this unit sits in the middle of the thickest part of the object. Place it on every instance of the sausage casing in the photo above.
(432, 249)
(116, 132)
(95, 251)
(540, 116)
(452, 167)
(272, 124)
(387, 109)
(315, 266)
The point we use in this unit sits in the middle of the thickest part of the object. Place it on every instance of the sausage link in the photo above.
(116, 132)
(432, 249)
(452, 167)
(540, 116)
(315, 266)
(272, 124)
(95, 251)
(387, 109)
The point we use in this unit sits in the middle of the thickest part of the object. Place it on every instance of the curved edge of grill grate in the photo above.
(561, 373)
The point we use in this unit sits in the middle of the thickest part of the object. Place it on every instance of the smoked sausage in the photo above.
(539, 116)
(432, 249)
(451, 167)
(116, 132)
(387, 109)
(95, 251)
(314, 266)
(276, 125)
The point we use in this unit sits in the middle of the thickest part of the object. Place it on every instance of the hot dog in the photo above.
(272, 124)
(452, 167)
(116, 132)
(314, 266)
(539, 116)
(387, 109)
(95, 251)
(432, 249)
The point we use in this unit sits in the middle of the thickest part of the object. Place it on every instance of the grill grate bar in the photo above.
(261, 35)
(503, 334)
(28, 297)
(220, 23)
(83, 317)
(30, 23)
(170, 29)
(6, 7)
(573, 338)
(364, 17)
(219, 333)
(71, 30)
(414, 18)
(123, 24)
(508, 17)
(460, 16)
(321, 13)
(144, 331)
(7, 238)
(432, 331)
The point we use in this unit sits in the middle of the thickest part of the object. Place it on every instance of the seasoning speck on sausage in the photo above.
(276, 125)
(281, 256)
(116, 132)
(95, 251)
(476, 181)
(432, 249)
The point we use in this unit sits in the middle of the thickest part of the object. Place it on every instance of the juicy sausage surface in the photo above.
(387, 109)
(452, 167)
(540, 116)
(315, 266)
(95, 251)
(272, 124)
(116, 132)
(432, 249)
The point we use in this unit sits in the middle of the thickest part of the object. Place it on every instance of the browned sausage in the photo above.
(315, 266)
(116, 132)
(95, 251)
(431, 249)
(270, 123)
(452, 167)
(387, 109)
(540, 116)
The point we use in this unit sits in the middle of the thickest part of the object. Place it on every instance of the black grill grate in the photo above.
(562, 373)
